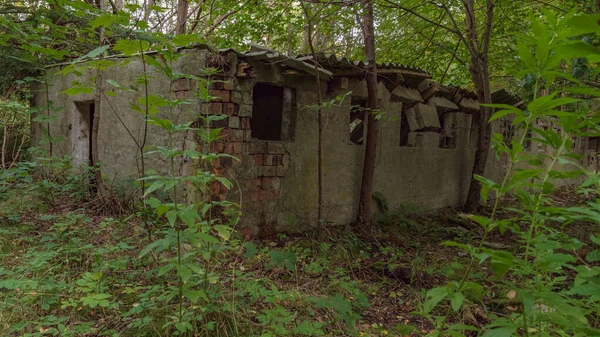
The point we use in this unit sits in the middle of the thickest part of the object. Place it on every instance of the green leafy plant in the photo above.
(535, 278)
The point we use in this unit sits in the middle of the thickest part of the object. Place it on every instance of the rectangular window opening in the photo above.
(357, 120)
(404, 129)
(593, 144)
(273, 112)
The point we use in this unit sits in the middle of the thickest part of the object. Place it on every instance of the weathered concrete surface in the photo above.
(406, 95)
(422, 117)
(120, 127)
(442, 105)
(469, 105)
(424, 139)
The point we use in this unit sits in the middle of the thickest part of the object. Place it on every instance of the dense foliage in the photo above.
(161, 265)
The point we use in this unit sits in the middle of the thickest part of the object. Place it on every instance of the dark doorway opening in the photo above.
(83, 137)
(92, 108)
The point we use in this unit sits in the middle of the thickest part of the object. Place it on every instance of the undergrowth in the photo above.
(67, 271)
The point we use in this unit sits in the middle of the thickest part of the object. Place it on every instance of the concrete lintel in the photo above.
(422, 117)
(469, 105)
(406, 95)
(442, 105)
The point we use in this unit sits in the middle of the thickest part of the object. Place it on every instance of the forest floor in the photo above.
(355, 283)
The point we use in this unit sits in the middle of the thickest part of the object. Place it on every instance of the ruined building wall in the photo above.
(424, 159)
(119, 124)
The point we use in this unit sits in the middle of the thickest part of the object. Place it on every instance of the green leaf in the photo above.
(500, 260)
(183, 327)
(198, 239)
(182, 40)
(224, 231)
(93, 53)
(483, 221)
(284, 260)
(593, 256)
(226, 182)
(189, 215)
(104, 20)
(251, 250)
(130, 47)
(195, 295)
(500, 114)
(500, 332)
(184, 272)
(433, 297)
(457, 301)
(155, 185)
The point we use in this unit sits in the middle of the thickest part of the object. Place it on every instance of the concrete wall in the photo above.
(276, 181)
(120, 127)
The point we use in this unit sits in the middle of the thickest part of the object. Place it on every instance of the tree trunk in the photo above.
(147, 9)
(96, 120)
(481, 80)
(366, 190)
(309, 40)
(182, 12)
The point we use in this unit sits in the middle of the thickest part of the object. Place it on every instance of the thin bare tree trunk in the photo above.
(319, 117)
(48, 113)
(4, 140)
(96, 119)
(18, 151)
(147, 8)
(366, 191)
(182, 14)
(479, 74)
(481, 79)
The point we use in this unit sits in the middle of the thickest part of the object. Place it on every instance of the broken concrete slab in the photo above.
(442, 104)
(406, 95)
(469, 105)
(456, 120)
(428, 89)
(457, 129)
(422, 117)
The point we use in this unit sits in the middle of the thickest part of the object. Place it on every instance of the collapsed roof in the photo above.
(393, 74)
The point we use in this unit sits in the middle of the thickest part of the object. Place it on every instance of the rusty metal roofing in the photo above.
(259, 53)
(327, 62)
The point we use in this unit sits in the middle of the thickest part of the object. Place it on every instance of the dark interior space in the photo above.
(357, 120)
(267, 111)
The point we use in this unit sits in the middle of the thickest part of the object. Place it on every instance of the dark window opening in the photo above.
(83, 132)
(273, 112)
(90, 153)
(404, 129)
(593, 144)
(357, 120)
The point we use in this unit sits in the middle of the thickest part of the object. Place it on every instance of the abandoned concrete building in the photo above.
(426, 143)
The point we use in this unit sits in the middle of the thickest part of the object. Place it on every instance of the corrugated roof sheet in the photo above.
(333, 61)
(327, 62)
